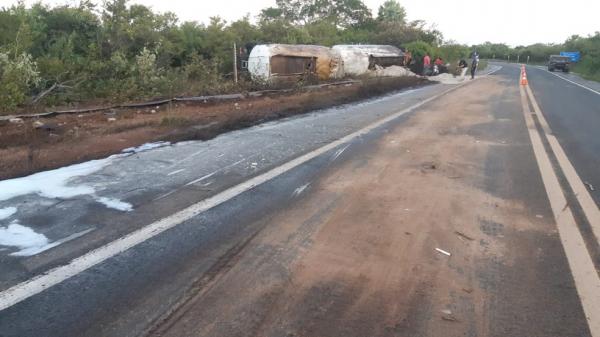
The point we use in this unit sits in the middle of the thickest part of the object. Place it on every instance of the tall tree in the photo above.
(392, 11)
(342, 13)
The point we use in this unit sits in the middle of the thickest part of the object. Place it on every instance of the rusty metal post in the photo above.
(235, 73)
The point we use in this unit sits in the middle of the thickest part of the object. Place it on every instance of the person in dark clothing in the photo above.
(462, 68)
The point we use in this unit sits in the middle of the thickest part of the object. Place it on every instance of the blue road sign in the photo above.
(575, 56)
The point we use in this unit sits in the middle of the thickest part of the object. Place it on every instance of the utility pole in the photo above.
(527, 59)
(518, 57)
(235, 74)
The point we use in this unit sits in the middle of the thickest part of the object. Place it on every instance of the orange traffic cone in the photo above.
(523, 78)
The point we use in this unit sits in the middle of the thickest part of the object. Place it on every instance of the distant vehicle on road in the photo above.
(559, 62)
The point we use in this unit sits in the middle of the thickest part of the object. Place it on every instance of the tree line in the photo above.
(120, 51)
(589, 47)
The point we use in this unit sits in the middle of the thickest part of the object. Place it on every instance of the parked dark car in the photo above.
(557, 62)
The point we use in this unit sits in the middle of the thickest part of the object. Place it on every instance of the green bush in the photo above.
(17, 77)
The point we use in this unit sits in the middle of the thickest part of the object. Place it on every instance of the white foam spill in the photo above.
(25, 239)
(53, 183)
(7, 212)
(115, 204)
(145, 147)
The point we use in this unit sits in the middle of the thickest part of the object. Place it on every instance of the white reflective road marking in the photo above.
(577, 84)
(582, 267)
(590, 209)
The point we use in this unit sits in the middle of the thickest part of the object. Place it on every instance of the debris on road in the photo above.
(463, 235)
(446, 79)
(590, 186)
(443, 251)
(467, 290)
(429, 166)
(447, 315)
(392, 71)
(449, 318)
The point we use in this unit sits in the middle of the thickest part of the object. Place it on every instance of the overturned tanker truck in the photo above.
(282, 62)
(364, 59)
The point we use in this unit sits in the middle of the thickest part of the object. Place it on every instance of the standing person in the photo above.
(439, 64)
(463, 67)
(426, 64)
(407, 58)
(474, 63)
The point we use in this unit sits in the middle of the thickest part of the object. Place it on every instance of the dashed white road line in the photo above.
(37, 284)
(175, 172)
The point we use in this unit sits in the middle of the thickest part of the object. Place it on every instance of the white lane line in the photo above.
(39, 283)
(75, 236)
(188, 157)
(165, 195)
(590, 209)
(201, 178)
(300, 189)
(339, 152)
(577, 84)
(224, 168)
(582, 267)
(175, 172)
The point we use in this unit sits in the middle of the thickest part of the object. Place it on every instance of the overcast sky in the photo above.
(516, 22)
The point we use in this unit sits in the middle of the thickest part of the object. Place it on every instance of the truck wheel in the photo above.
(550, 69)
(565, 70)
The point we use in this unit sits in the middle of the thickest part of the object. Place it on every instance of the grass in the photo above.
(175, 121)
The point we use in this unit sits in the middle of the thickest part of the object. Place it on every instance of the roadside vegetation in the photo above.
(87, 54)
(589, 47)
